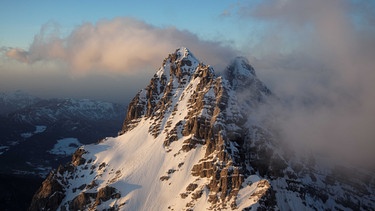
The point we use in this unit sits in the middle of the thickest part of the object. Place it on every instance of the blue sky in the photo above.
(21, 20)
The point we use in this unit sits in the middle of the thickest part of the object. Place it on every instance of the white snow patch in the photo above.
(65, 146)
(26, 135)
(244, 197)
(3, 149)
(38, 129)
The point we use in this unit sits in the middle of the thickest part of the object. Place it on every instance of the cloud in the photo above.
(18, 54)
(121, 45)
(319, 56)
(109, 60)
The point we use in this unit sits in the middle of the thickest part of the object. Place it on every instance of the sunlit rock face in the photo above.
(189, 142)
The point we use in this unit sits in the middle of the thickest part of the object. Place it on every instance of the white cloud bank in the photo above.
(121, 45)
(320, 56)
(109, 60)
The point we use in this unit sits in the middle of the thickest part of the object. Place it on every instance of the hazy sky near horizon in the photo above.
(70, 48)
(320, 55)
(109, 50)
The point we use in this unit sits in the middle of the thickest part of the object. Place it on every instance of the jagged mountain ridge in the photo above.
(23, 107)
(188, 144)
(52, 110)
(10, 102)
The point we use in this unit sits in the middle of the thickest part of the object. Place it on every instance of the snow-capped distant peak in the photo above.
(17, 95)
(11, 101)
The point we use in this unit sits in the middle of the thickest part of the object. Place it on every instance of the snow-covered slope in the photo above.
(188, 143)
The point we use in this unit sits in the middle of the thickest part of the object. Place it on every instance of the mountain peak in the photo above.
(184, 57)
(179, 63)
(242, 78)
(183, 52)
(189, 142)
(178, 70)
(240, 69)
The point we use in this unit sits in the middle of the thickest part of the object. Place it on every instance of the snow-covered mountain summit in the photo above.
(187, 143)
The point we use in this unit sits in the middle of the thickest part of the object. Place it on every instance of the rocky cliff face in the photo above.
(188, 143)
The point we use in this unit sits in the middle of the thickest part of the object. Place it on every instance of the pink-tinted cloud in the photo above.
(18, 54)
(121, 45)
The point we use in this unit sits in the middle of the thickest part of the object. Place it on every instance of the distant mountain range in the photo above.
(37, 135)
(191, 140)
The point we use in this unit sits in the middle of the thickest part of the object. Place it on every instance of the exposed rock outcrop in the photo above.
(49, 195)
